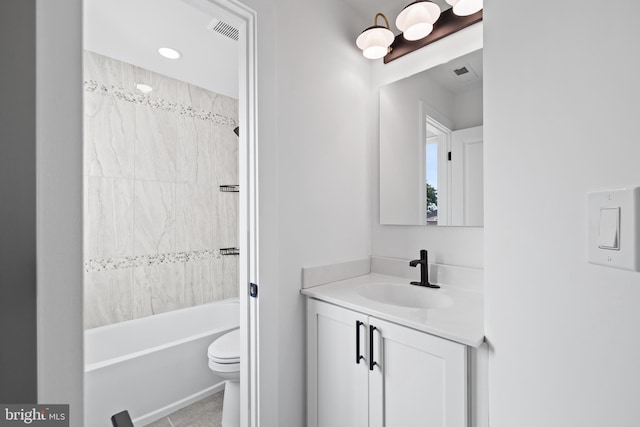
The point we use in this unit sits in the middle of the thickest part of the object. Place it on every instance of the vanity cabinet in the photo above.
(364, 371)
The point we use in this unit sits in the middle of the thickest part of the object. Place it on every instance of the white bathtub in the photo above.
(155, 365)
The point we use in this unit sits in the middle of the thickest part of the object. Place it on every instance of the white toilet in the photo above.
(224, 360)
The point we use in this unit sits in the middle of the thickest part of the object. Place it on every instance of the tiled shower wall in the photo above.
(155, 218)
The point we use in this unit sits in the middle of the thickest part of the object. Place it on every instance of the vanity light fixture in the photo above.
(375, 40)
(465, 7)
(416, 20)
(169, 53)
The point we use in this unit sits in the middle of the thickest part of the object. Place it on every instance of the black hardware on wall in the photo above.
(230, 188)
(237, 131)
(372, 363)
(253, 290)
(449, 156)
(359, 357)
(229, 251)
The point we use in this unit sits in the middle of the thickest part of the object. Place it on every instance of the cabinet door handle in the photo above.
(372, 363)
(359, 357)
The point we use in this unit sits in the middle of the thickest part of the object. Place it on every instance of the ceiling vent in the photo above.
(225, 29)
(460, 71)
(465, 73)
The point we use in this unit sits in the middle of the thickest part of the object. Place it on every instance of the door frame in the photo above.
(246, 20)
(59, 212)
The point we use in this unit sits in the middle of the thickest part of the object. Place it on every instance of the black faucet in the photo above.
(424, 270)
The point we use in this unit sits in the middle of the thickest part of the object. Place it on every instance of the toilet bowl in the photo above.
(224, 360)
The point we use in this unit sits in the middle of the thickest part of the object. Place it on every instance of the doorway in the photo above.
(156, 169)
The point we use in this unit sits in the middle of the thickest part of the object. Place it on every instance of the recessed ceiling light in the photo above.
(144, 88)
(167, 52)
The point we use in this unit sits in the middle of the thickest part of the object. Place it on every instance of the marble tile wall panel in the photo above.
(198, 98)
(224, 279)
(225, 155)
(225, 225)
(108, 71)
(226, 106)
(155, 144)
(108, 217)
(194, 213)
(155, 217)
(109, 129)
(158, 289)
(164, 87)
(230, 279)
(194, 151)
(197, 279)
(108, 297)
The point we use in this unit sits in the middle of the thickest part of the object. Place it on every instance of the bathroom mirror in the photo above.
(431, 146)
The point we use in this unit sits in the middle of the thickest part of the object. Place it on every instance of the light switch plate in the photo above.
(609, 232)
(614, 228)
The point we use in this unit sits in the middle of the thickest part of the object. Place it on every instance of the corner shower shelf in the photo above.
(229, 251)
(230, 188)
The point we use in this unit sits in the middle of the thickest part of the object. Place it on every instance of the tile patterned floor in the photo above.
(204, 413)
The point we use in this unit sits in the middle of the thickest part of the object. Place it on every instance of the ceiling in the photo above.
(445, 76)
(133, 30)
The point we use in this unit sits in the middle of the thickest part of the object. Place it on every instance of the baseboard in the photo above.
(173, 407)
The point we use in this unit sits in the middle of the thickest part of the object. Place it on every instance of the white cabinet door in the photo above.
(337, 382)
(417, 379)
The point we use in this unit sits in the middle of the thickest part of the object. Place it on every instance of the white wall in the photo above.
(468, 109)
(561, 114)
(323, 167)
(447, 245)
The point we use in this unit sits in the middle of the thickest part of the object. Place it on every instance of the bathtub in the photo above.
(154, 365)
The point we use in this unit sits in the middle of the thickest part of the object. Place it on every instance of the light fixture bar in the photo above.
(447, 24)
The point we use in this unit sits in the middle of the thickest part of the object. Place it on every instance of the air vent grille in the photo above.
(225, 29)
(460, 71)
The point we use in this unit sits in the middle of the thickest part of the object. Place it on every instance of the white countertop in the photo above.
(461, 322)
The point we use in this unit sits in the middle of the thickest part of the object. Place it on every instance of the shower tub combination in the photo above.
(155, 365)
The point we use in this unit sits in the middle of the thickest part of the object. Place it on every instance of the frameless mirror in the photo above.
(431, 146)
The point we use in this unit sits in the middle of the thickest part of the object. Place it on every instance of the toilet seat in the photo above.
(224, 368)
(225, 350)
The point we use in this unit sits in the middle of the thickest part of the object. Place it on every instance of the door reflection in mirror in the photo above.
(431, 156)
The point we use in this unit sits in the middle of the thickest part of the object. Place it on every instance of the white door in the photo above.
(337, 375)
(467, 206)
(417, 379)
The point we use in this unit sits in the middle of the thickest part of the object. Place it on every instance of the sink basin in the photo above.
(410, 296)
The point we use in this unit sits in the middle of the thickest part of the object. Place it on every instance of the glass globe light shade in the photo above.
(375, 42)
(417, 19)
(465, 7)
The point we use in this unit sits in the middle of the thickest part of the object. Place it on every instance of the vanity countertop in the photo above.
(462, 321)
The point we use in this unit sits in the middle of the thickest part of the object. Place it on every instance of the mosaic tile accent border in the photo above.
(159, 103)
(121, 263)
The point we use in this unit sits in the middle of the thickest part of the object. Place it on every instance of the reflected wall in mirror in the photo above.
(431, 146)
